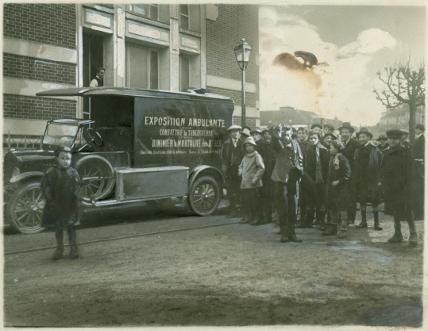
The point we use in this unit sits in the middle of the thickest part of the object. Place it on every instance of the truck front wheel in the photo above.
(25, 208)
(204, 195)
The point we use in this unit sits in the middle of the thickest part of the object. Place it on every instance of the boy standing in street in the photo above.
(251, 170)
(61, 190)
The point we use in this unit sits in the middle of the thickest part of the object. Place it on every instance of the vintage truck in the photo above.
(135, 145)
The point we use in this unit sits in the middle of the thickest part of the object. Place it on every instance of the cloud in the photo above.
(346, 84)
(368, 42)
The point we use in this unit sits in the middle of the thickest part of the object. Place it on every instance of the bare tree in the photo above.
(403, 85)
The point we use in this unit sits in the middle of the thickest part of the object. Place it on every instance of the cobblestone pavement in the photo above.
(230, 274)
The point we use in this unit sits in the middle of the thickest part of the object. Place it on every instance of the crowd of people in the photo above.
(316, 178)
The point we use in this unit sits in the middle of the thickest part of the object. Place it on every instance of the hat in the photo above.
(346, 125)
(316, 125)
(331, 135)
(382, 137)
(420, 127)
(256, 130)
(394, 134)
(365, 131)
(234, 128)
(246, 132)
(329, 126)
(265, 130)
(250, 140)
(404, 132)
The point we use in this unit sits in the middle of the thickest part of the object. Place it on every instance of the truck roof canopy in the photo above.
(129, 92)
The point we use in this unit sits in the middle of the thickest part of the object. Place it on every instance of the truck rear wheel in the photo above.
(25, 208)
(204, 195)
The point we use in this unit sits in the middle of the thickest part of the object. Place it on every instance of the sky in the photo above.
(352, 43)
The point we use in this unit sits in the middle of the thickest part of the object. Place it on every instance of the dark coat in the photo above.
(338, 196)
(231, 158)
(309, 164)
(61, 189)
(419, 148)
(366, 172)
(267, 152)
(349, 151)
(398, 176)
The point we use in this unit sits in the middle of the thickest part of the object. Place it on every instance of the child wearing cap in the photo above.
(61, 190)
(251, 171)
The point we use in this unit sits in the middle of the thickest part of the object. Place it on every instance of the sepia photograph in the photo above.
(202, 164)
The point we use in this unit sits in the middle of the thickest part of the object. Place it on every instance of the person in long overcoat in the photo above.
(418, 151)
(266, 150)
(231, 157)
(366, 172)
(338, 181)
(286, 173)
(60, 187)
(397, 180)
(348, 150)
(315, 165)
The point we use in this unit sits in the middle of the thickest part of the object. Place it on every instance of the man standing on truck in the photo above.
(231, 157)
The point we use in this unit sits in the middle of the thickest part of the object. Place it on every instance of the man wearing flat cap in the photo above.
(317, 128)
(397, 178)
(367, 162)
(231, 156)
(349, 147)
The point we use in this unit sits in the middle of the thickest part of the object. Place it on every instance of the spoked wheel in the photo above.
(97, 177)
(204, 195)
(26, 208)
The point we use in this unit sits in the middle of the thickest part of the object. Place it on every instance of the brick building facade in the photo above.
(169, 47)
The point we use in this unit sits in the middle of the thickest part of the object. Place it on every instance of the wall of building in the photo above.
(39, 52)
(223, 74)
(45, 47)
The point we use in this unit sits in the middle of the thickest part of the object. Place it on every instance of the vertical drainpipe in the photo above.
(79, 62)
(174, 48)
(203, 47)
(119, 47)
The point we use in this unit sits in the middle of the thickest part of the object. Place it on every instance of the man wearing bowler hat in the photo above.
(349, 147)
(397, 178)
(367, 162)
(317, 128)
(231, 156)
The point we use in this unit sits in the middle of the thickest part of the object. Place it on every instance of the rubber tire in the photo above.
(108, 188)
(12, 203)
(215, 185)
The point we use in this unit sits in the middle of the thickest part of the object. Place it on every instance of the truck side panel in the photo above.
(180, 132)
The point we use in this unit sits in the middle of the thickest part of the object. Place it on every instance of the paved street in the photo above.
(218, 273)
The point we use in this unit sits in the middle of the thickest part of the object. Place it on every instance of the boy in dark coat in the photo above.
(338, 180)
(315, 165)
(61, 190)
(367, 161)
(397, 177)
(349, 147)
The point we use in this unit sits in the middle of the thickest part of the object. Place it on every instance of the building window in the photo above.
(190, 18)
(184, 72)
(142, 66)
(153, 12)
(184, 17)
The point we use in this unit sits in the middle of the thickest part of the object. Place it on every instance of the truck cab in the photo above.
(135, 145)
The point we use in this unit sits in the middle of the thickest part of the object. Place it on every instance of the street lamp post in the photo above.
(242, 54)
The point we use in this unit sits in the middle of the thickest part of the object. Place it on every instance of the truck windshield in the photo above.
(59, 134)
